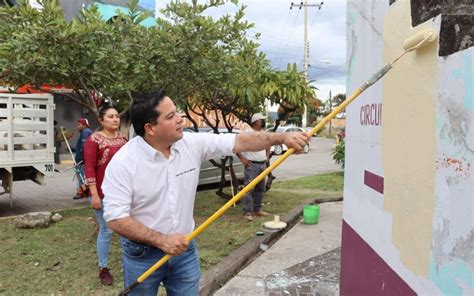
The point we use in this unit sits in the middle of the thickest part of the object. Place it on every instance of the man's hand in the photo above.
(296, 140)
(173, 244)
(132, 229)
(245, 161)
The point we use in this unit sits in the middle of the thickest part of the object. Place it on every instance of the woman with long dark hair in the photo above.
(98, 151)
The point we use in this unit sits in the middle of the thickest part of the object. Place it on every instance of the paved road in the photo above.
(317, 161)
(58, 191)
(29, 197)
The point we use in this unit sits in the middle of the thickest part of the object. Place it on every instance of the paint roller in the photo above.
(418, 40)
(421, 38)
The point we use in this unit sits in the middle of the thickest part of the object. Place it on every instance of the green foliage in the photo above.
(204, 63)
(338, 153)
(330, 105)
(338, 99)
(221, 63)
(87, 54)
(289, 87)
(290, 90)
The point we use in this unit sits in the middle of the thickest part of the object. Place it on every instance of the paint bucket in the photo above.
(311, 214)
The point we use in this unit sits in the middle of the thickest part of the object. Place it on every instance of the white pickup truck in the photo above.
(26, 139)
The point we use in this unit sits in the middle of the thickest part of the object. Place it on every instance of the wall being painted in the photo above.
(408, 205)
(409, 97)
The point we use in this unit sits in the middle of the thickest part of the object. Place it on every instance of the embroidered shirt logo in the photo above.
(185, 172)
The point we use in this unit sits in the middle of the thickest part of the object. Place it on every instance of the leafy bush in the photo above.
(338, 153)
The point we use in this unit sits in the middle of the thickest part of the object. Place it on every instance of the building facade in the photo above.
(408, 224)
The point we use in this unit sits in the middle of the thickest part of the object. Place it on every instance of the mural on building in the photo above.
(408, 207)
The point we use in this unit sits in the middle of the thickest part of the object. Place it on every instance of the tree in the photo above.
(338, 99)
(221, 63)
(313, 111)
(39, 47)
(204, 61)
(290, 90)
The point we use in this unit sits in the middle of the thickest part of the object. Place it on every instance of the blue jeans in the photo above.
(103, 238)
(80, 175)
(180, 275)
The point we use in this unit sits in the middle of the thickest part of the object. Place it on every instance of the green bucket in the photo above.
(311, 214)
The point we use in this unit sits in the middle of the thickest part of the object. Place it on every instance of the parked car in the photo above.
(279, 149)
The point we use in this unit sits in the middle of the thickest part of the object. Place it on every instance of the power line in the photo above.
(288, 39)
(276, 42)
(315, 15)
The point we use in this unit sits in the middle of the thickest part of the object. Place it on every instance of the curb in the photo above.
(219, 274)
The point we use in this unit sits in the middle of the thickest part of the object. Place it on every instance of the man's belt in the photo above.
(258, 162)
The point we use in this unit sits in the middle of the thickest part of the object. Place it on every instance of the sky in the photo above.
(282, 37)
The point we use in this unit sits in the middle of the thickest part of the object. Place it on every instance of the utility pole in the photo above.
(306, 46)
(330, 110)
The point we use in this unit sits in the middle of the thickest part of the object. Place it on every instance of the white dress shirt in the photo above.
(159, 192)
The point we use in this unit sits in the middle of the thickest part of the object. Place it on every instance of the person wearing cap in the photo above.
(254, 163)
(84, 130)
(150, 187)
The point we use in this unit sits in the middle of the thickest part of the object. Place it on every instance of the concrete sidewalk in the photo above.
(305, 261)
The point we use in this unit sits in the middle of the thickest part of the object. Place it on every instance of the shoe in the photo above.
(77, 196)
(105, 277)
(248, 217)
(261, 214)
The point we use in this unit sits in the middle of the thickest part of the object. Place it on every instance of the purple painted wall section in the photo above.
(363, 272)
(373, 181)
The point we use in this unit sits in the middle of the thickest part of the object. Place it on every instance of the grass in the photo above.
(327, 182)
(62, 259)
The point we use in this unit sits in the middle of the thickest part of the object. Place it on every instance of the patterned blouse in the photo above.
(98, 152)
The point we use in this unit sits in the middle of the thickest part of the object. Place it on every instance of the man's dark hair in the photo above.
(143, 110)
